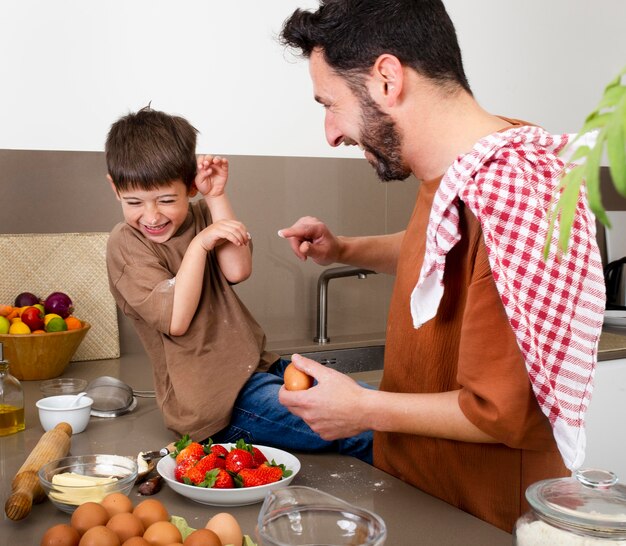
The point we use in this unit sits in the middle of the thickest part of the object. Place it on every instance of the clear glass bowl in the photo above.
(298, 515)
(62, 385)
(587, 509)
(68, 497)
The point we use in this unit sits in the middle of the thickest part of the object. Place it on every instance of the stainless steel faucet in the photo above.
(322, 295)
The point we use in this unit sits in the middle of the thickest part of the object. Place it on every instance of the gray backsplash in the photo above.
(65, 192)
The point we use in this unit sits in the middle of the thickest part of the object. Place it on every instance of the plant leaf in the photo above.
(567, 204)
(616, 149)
(611, 97)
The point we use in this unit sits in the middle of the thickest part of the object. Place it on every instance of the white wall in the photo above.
(71, 67)
(606, 434)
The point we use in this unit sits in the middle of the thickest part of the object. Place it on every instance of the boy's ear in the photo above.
(117, 195)
(193, 190)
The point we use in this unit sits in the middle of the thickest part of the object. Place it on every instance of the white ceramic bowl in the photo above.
(56, 409)
(230, 497)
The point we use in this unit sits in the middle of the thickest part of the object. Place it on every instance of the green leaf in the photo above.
(567, 202)
(182, 525)
(594, 121)
(611, 97)
(616, 149)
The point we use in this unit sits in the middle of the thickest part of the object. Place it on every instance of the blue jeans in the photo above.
(259, 418)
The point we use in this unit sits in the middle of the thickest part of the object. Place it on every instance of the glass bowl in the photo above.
(77, 488)
(299, 515)
(62, 385)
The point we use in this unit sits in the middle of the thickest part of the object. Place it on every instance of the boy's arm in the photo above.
(226, 235)
(234, 260)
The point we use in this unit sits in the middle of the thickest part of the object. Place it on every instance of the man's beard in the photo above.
(380, 137)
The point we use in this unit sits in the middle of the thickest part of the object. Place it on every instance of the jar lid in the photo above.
(591, 500)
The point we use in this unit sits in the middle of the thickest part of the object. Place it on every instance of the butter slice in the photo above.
(72, 488)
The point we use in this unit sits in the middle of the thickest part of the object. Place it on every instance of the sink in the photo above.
(358, 359)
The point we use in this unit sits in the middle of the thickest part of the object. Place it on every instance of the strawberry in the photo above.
(266, 473)
(181, 469)
(187, 449)
(238, 459)
(194, 476)
(247, 477)
(270, 473)
(219, 450)
(211, 461)
(258, 456)
(218, 478)
(198, 472)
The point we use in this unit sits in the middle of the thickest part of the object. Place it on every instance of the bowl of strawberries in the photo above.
(233, 474)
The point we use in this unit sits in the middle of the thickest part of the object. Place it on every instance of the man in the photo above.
(490, 349)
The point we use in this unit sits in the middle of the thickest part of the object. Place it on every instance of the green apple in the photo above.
(4, 325)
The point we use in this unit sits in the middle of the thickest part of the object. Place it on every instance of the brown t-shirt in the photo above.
(469, 345)
(198, 375)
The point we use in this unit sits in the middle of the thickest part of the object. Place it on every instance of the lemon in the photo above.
(49, 317)
(4, 325)
(19, 328)
(56, 324)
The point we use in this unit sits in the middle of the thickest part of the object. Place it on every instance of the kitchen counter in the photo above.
(612, 344)
(412, 517)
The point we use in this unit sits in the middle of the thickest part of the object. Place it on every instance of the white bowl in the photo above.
(56, 409)
(230, 497)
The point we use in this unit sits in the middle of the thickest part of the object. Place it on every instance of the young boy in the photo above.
(171, 264)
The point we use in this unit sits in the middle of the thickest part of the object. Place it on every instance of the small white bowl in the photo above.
(58, 409)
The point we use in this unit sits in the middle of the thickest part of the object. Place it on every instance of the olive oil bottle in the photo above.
(11, 400)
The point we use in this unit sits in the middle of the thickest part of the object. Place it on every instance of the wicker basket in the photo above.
(41, 356)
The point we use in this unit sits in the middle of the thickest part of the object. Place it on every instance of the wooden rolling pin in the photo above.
(25, 487)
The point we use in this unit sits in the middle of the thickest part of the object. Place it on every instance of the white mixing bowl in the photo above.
(57, 409)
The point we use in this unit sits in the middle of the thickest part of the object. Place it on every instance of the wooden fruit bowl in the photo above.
(41, 356)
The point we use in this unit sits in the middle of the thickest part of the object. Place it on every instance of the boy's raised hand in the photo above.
(212, 175)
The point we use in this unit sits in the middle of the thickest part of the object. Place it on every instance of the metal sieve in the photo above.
(112, 397)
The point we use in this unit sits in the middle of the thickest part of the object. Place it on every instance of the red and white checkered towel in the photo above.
(554, 306)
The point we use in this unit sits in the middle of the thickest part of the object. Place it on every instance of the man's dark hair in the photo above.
(147, 149)
(352, 34)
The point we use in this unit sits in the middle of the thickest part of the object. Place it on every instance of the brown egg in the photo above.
(296, 380)
(88, 515)
(225, 526)
(136, 541)
(115, 503)
(126, 525)
(99, 536)
(162, 533)
(203, 537)
(150, 511)
(60, 535)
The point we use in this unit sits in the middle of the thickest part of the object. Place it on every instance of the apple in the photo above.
(33, 318)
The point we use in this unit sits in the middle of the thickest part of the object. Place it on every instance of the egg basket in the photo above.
(41, 356)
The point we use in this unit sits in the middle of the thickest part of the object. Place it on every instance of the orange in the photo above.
(13, 313)
(5, 310)
(38, 332)
(73, 323)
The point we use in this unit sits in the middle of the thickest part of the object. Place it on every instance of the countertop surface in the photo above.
(412, 517)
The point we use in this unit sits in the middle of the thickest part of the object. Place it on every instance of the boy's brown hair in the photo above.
(147, 149)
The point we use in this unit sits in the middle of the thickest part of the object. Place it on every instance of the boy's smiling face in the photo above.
(158, 213)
